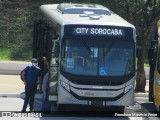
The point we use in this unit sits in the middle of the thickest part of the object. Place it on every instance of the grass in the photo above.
(5, 55)
(146, 64)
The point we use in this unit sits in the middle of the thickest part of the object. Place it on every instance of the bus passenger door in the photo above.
(54, 65)
(41, 43)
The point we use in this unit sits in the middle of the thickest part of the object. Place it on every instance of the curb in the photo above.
(17, 95)
(141, 99)
(141, 94)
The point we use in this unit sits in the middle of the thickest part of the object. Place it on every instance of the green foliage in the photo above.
(22, 50)
(4, 54)
(16, 32)
(141, 13)
(16, 21)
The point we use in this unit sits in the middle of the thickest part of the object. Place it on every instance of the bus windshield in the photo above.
(98, 57)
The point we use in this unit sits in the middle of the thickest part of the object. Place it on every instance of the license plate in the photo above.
(97, 103)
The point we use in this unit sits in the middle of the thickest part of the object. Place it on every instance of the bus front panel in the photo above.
(97, 66)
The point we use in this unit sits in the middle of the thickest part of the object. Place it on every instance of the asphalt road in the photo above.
(15, 104)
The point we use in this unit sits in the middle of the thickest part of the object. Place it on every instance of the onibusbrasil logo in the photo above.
(18, 114)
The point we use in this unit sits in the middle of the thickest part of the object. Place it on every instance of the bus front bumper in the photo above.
(66, 98)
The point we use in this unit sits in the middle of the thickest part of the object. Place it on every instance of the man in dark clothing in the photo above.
(31, 76)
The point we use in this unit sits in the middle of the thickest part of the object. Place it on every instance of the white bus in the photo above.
(91, 53)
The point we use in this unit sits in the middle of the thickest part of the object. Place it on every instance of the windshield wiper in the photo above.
(109, 48)
(87, 47)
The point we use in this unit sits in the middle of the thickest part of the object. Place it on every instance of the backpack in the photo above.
(21, 75)
(25, 73)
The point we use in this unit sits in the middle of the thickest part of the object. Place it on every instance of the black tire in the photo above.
(61, 108)
(121, 109)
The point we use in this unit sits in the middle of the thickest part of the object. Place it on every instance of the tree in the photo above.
(144, 14)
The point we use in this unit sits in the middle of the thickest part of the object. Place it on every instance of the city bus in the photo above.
(154, 62)
(91, 52)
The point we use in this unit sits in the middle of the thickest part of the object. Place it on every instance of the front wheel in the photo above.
(53, 107)
(116, 109)
(120, 109)
(57, 107)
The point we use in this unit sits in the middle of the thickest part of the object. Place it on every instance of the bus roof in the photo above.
(82, 14)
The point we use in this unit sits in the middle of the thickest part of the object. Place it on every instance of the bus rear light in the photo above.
(65, 86)
(128, 88)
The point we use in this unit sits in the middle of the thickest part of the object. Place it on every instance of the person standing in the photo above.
(45, 87)
(46, 64)
(32, 80)
(45, 90)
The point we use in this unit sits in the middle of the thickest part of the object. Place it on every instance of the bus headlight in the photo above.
(128, 88)
(65, 86)
(157, 80)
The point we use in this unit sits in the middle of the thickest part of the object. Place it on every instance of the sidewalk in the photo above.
(12, 86)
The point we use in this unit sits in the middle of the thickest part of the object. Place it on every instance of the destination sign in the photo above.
(99, 32)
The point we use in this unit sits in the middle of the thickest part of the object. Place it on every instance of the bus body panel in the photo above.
(62, 89)
(103, 93)
(65, 98)
(50, 11)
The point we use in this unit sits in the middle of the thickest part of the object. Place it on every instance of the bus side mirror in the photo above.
(56, 49)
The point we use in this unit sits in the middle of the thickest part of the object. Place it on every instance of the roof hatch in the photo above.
(75, 8)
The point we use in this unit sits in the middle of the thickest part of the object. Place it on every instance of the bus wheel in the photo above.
(54, 106)
(158, 109)
(120, 109)
(61, 108)
(117, 109)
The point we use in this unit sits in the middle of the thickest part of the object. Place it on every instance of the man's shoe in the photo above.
(23, 111)
(32, 110)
